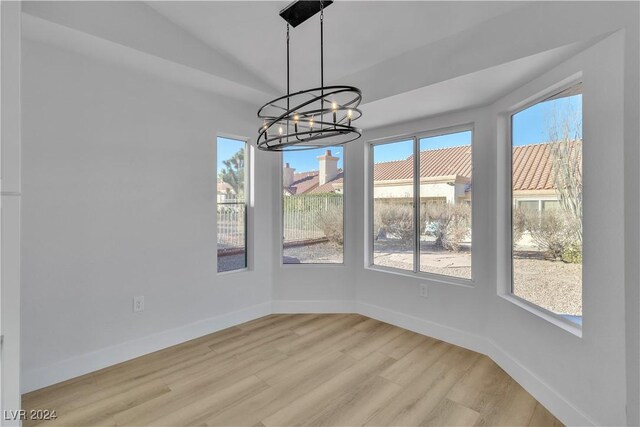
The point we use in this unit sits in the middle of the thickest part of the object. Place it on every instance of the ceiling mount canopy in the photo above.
(311, 118)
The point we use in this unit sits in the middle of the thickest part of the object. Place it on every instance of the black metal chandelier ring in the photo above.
(306, 120)
(329, 91)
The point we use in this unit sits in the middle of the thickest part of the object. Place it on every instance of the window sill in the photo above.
(465, 283)
(311, 264)
(239, 270)
(547, 315)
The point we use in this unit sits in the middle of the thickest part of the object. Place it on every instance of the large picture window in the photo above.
(421, 204)
(445, 204)
(546, 196)
(231, 204)
(313, 206)
(393, 205)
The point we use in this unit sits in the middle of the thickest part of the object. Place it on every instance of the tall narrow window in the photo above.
(313, 206)
(393, 205)
(232, 204)
(547, 204)
(445, 204)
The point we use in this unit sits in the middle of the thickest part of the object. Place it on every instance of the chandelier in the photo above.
(311, 118)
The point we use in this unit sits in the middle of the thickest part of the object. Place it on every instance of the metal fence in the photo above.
(232, 219)
(300, 214)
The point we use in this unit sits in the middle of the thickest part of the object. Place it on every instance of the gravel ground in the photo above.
(318, 253)
(231, 262)
(554, 285)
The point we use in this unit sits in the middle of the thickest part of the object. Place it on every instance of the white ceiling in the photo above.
(358, 34)
(412, 59)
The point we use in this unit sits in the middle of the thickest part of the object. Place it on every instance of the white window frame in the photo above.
(344, 217)
(505, 236)
(369, 200)
(248, 183)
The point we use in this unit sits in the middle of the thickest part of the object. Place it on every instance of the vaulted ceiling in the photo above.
(411, 59)
(358, 34)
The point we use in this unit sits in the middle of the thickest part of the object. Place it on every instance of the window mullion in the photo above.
(416, 205)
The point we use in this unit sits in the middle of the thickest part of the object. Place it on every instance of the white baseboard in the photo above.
(548, 396)
(303, 306)
(89, 362)
(41, 377)
(557, 404)
(424, 327)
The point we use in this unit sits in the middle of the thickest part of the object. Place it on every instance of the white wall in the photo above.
(119, 192)
(10, 211)
(119, 188)
(580, 379)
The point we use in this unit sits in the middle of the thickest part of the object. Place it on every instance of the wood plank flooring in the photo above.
(303, 369)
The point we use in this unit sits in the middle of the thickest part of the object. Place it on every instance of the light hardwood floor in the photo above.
(303, 369)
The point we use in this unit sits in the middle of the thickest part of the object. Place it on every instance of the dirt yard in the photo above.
(554, 285)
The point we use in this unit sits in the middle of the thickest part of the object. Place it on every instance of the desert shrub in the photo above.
(519, 223)
(572, 254)
(393, 220)
(551, 232)
(331, 223)
(448, 223)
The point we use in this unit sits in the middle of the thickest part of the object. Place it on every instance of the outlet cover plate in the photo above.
(138, 304)
(424, 290)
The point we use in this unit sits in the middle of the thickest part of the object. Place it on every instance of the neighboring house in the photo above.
(225, 192)
(445, 176)
(327, 179)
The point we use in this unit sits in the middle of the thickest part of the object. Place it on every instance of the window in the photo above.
(422, 221)
(393, 205)
(231, 204)
(445, 204)
(546, 169)
(529, 205)
(313, 206)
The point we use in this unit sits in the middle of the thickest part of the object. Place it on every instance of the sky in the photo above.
(226, 149)
(303, 161)
(529, 126)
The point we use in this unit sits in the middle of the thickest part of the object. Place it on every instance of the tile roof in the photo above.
(223, 187)
(304, 182)
(329, 187)
(532, 167)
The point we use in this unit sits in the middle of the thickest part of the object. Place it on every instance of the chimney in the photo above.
(328, 167)
(287, 175)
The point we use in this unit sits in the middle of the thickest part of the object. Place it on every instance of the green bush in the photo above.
(449, 223)
(331, 223)
(572, 254)
(519, 223)
(393, 220)
(552, 232)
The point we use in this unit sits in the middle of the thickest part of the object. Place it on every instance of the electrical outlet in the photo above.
(138, 304)
(424, 290)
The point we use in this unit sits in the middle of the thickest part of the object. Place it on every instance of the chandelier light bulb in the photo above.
(334, 107)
